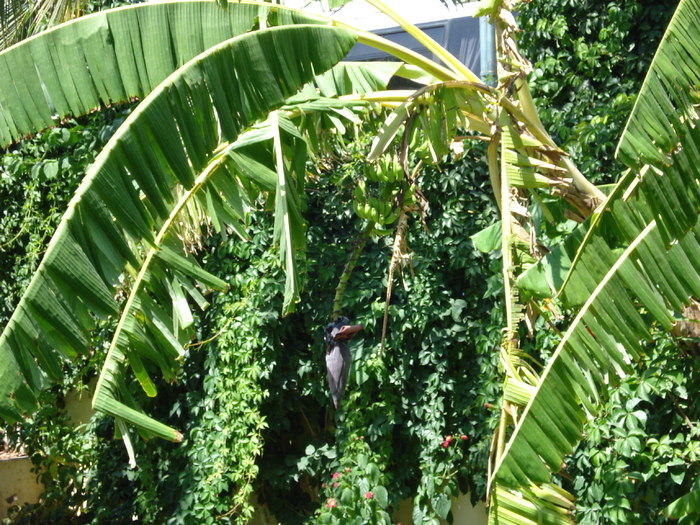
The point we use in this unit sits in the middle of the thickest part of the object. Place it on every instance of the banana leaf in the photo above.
(119, 219)
(638, 263)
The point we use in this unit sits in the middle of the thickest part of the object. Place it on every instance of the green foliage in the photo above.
(642, 451)
(224, 421)
(61, 454)
(443, 330)
(208, 477)
(252, 401)
(260, 379)
(589, 58)
(205, 479)
(354, 493)
(687, 507)
(37, 179)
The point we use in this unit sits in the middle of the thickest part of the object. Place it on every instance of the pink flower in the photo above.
(336, 475)
(445, 444)
(463, 437)
(335, 485)
(347, 469)
(448, 438)
(369, 495)
(331, 503)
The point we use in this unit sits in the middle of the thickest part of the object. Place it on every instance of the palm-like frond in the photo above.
(183, 150)
(13, 20)
(127, 201)
(21, 18)
(108, 57)
(639, 262)
(667, 105)
(121, 54)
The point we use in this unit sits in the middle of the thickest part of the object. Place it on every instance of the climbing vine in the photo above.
(401, 402)
(418, 414)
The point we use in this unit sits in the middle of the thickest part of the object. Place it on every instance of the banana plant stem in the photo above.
(358, 247)
(448, 58)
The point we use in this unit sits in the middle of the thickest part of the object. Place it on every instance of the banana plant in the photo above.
(231, 104)
(19, 18)
(226, 114)
(636, 265)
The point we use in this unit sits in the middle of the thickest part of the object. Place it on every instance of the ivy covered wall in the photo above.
(252, 400)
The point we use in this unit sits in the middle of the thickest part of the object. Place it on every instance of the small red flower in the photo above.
(369, 495)
(336, 475)
(335, 485)
(347, 469)
(448, 438)
(331, 503)
(445, 444)
(463, 437)
(487, 405)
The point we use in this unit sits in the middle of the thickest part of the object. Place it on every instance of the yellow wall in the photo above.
(18, 485)
(462, 510)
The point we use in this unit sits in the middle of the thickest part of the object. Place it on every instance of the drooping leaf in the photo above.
(640, 259)
(186, 119)
(289, 227)
(356, 77)
(443, 108)
(667, 104)
(488, 239)
(687, 506)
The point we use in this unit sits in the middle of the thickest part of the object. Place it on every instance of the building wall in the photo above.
(362, 15)
(18, 484)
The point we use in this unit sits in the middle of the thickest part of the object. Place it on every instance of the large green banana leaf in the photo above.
(121, 54)
(639, 262)
(130, 196)
(113, 56)
(667, 105)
